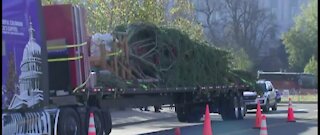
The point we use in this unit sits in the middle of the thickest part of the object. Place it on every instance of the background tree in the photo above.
(183, 17)
(238, 24)
(312, 67)
(240, 60)
(301, 41)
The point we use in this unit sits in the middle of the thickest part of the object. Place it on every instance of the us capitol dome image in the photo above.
(29, 79)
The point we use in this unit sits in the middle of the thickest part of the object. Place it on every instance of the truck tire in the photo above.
(107, 121)
(194, 114)
(242, 108)
(230, 108)
(234, 108)
(266, 108)
(223, 110)
(69, 122)
(181, 113)
(278, 100)
(223, 113)
(98, 120)
(274, 107)
(188, 113)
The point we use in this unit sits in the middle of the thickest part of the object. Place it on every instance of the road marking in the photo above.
(309, 118)
(301, 110)
(271, 125)
(249, 129)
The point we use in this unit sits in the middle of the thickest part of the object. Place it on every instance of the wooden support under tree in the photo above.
(120, 62)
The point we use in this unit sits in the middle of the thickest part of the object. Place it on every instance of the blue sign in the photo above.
(24, 66)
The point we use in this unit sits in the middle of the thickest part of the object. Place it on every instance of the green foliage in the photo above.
(182, 61)
(110, 80)
(301, 41)
(312, 67)
(240, 60)
(121, 28)
(245, 77)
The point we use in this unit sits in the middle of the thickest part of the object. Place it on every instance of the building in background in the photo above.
(296, 83)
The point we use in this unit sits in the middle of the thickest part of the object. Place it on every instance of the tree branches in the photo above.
(237, 24)
(301, 41)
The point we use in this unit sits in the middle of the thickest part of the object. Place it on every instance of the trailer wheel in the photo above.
(223, 110)
(234, 108)
(107, 120)
(194, 114)
(181, 113)
(242, 108)
(230, 108)
(188, 113)
(69, 122)
(98, 120)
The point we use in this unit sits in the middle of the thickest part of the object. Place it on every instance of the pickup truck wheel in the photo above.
(69, 122)
(98, 120)
(107, 120)
(242, 108)
(266, 108)
(278, 100)
(274, 107)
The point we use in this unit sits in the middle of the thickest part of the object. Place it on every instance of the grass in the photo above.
(301, 98)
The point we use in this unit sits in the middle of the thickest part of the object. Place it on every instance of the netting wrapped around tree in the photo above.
(172, 57)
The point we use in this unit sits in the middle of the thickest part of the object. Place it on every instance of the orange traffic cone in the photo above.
(177, 131)
(263, 129)
(258, 116)
(290, 112)
(92, 128)
(207, 122)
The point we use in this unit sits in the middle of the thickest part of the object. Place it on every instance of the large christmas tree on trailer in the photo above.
(169, 56)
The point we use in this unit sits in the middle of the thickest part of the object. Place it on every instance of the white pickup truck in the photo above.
(267, 99)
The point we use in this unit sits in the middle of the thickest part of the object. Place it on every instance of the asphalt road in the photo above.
(305, 114)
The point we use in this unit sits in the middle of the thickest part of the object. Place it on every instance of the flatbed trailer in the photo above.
(189, 105)
(45, 103)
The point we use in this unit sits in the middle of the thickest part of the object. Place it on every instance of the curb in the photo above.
(139, 122)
